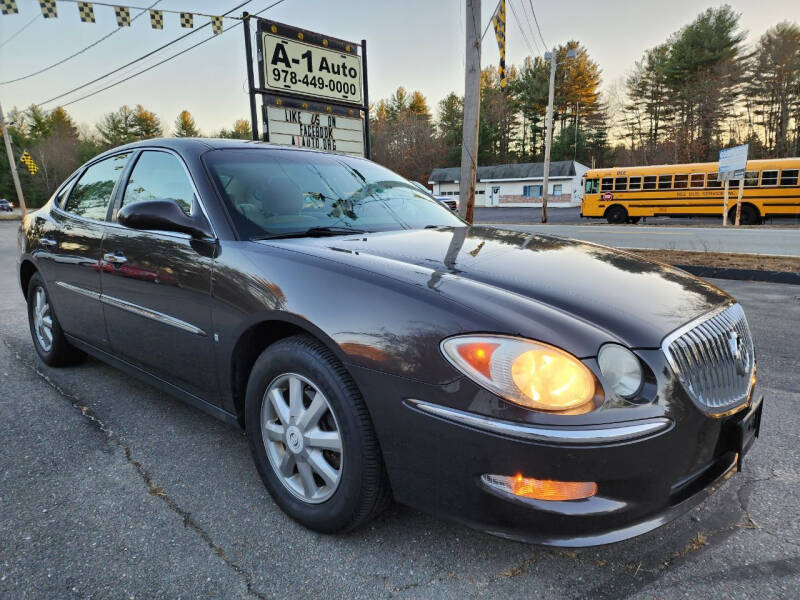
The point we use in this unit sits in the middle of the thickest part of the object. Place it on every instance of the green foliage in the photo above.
(185, 125)
(241, 131)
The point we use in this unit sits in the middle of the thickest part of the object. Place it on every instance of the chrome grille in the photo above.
(714, 359)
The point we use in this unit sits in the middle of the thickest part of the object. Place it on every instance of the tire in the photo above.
(336, 490)
(616, 214)
(749, 215)
(48, 337)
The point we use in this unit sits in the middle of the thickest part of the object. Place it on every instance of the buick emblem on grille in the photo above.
(735, 344)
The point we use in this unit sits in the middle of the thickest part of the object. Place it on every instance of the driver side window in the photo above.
(159, 176)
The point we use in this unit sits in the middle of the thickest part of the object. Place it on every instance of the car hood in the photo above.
(636, 301)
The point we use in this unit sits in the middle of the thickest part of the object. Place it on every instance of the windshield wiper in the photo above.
(324, 231)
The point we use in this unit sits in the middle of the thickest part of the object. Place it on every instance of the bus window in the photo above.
(591, 186)
(697, 180)
(607, 184)
(712, 181)
(621, 184)
(634, 183)
(769, 178)
(681, 181)
(751, 179)
(649, 182)
(664, 182)
(789, 176)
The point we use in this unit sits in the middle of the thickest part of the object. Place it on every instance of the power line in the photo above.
(144, 56)
(537, 24)
(530, 27)
(517, 21)
(490, 18)
(81, 51)
(163, 10)
(20, 30)
(184, 51)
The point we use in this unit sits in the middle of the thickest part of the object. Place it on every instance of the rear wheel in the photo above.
(616, 214)
(312, 437)
(748, 216)
(48, 338)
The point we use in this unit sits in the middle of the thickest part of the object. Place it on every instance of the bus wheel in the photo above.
(635, 220)
(749, 215)
(616, 214)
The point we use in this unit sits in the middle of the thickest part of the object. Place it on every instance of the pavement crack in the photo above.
(152, 488)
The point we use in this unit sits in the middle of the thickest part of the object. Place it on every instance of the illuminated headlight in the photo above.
(532, 374)
(621, 369)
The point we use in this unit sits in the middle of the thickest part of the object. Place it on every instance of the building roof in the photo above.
(559, 168)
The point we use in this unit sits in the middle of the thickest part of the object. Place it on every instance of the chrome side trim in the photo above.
(554, 435)
(79, 290)
(151, 314)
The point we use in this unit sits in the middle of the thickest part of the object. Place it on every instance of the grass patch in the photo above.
(725, 260)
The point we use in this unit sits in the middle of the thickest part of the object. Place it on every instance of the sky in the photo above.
(418, 44)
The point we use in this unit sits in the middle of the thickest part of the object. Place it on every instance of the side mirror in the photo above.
(162, 215)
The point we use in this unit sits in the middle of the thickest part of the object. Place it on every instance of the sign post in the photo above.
(313, 89)
(732, 165)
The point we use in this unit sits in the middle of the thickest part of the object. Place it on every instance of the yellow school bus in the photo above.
(626, 194)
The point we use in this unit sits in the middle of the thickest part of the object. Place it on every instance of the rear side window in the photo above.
(650, 182)
(664, 182)
(681, 181)
(789, 176)
(698, 180)
(159, 176)
(91, 196)
(751, 179)
(634, 183)
(713, 182)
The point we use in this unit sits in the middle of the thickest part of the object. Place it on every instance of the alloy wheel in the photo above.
(301, 437)
(42, 320)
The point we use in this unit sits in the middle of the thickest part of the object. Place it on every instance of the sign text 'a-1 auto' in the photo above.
(319, 70)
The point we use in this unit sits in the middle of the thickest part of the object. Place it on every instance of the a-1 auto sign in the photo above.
(291, 65)
(311, 125)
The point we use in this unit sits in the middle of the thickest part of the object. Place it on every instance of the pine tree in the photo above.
(185, 125)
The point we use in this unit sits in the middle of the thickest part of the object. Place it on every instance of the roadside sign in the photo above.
(732, 162)
(312, 125)
(313, 87)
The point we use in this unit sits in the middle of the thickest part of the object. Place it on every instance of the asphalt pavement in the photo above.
(111, 489)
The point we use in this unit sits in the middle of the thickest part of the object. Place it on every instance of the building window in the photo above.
(635, 183)
(607, 184)
(557, 187)
(650, 182)
(532, 191)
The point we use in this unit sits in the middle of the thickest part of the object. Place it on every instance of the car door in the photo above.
(72, 248)
(157, 284)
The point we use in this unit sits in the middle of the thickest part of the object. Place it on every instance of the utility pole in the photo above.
(472, 109)
(11, 162)
(549, 130)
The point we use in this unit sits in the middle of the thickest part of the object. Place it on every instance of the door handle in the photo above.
(115, 259)
(48, 243)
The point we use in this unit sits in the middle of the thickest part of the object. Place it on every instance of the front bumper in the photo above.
(655, 468)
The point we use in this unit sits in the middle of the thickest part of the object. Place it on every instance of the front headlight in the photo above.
(528, 373)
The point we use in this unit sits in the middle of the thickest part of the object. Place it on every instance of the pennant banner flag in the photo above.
(49, 10)
(187, 20)
(157, 19)
(9, 7)
(86, 12)
(27, 160)
(499, 23)
(216, 25)
(123, 16)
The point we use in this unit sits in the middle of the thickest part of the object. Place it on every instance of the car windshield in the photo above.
(272, 192)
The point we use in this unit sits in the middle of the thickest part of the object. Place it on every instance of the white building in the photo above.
(516, 185)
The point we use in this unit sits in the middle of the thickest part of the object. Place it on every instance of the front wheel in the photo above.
(312, 438)
(48, 338)
(616, 214)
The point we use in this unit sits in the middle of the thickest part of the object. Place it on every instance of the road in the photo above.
(111, 489)
(751, 241)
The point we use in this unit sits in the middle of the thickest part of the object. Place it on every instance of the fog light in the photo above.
(541, 489)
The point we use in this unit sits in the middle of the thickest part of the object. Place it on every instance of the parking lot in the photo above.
(112, 489)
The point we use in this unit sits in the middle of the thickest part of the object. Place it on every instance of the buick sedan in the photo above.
(374, 346)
